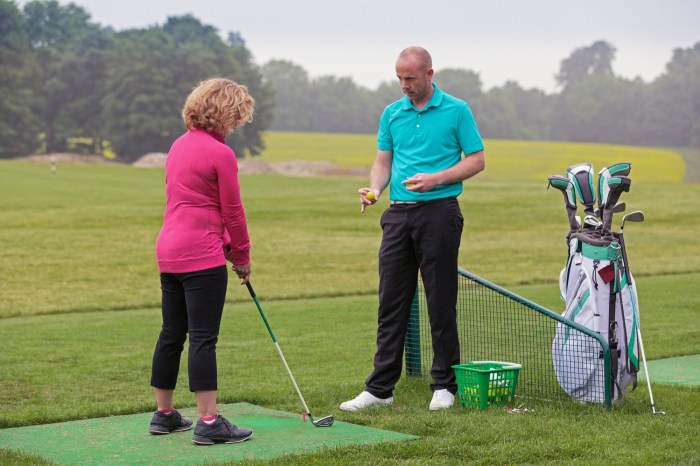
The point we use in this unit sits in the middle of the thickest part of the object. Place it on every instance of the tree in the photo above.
(496, 116)
(18, 85)
(463, 84)
(54, 31)
(533, 109)
(291, 88)
(586, 61)
(142, 102)
(601, 109)
(673, 113)
(153, 70)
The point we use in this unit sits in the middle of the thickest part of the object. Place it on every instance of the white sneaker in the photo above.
(442, 399)
(365, 400)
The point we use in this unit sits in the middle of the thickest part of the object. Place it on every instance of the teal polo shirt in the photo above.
(427, 141)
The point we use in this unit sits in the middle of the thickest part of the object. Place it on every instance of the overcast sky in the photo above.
(519, 40)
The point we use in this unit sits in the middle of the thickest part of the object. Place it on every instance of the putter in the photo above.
(619, 169)
(581, 176)
(567, 189)
(324, 421)
(616, 185)
(637, 216)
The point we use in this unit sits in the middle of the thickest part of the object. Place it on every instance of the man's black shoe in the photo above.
(219, 431)
(167, 423)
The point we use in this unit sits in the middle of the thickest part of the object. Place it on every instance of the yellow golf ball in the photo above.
(410, 185)
(370, 196)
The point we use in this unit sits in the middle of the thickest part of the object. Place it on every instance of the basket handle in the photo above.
(509, 365)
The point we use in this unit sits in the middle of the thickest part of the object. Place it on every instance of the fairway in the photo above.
(80, 309)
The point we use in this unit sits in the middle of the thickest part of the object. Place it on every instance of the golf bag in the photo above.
(599, 295)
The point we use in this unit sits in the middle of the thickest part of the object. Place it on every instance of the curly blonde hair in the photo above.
(218, 105)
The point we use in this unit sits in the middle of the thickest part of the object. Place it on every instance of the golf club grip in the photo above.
(250, 289)
(262, 314)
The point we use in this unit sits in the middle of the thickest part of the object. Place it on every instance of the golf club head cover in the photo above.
(616, 186)
(618, 169)
(567, 188)
(581, 175)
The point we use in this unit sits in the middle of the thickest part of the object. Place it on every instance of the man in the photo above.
(421, 140)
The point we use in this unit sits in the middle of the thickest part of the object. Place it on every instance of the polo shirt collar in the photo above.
(435, 100)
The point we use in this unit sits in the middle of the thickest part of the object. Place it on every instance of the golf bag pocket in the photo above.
(577, 359)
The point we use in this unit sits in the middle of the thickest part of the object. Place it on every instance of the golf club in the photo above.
(323, 422)
(581, 176)
(567, 188)
(616, 185)
(638, 217)
(619, 207)
(592, 221)
(619, 169)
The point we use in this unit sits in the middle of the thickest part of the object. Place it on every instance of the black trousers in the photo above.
(425, 237)
(192, 302)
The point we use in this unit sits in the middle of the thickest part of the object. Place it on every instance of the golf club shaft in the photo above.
(279, 350)
(646, 369)
(639, 331)
(296, 387)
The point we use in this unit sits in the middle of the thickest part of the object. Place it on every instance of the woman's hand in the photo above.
(243, 272)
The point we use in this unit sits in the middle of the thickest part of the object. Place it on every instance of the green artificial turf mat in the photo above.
(125, 439)
(683, 370)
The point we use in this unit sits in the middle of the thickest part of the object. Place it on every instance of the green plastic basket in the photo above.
(486, 383)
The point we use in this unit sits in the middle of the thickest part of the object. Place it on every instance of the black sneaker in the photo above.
(219, 431)
(167, 423)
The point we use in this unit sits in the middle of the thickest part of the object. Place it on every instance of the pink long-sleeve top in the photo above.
(203, 208)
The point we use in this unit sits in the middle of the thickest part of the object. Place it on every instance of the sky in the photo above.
(501, 40)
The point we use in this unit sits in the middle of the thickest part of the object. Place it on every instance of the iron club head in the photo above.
(592, 222)
(636, 216)
(323, 422)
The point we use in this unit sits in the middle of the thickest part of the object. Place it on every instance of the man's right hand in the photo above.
(364, 201)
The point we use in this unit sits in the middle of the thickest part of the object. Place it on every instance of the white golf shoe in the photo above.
(442, 399)
(365, 400)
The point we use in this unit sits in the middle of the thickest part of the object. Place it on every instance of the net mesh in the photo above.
(497, 325)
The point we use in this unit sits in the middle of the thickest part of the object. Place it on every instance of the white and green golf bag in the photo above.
(598, 296)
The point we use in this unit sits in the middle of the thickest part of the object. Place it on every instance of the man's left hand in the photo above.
(420, 182)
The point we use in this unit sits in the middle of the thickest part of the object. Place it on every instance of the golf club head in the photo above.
(616, 186)
(635, 217)
(581, 175)
(323, 422)
(592, 221)
(618, 169)
(619, 207)
(565, 186)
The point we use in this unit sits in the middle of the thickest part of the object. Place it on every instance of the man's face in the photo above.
(414, 78)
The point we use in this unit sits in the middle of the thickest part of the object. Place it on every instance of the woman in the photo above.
(204, 226)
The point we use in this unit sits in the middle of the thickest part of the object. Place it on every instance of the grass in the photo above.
(507, 160)
(80, 316)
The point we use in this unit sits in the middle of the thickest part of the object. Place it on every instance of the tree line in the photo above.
(593, 105)
(69, 84)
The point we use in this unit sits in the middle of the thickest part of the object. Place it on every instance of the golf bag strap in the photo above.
(612, 332)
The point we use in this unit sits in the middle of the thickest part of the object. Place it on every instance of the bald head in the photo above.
(418, 55)
(414, 68)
